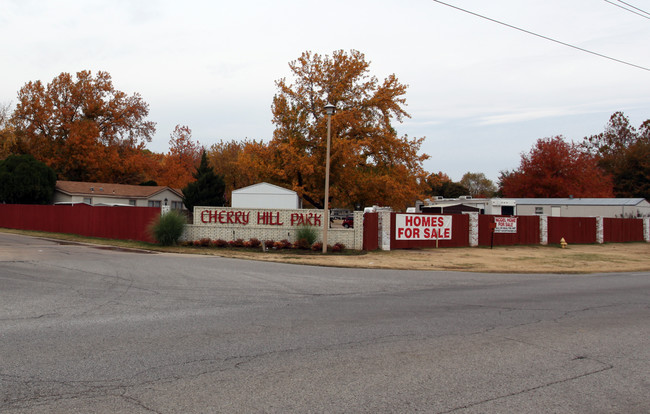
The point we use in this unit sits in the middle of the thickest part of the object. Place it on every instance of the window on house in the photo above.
(132, 202)
(154, 203)
(88, 200)
(177, 205)
(539, 210)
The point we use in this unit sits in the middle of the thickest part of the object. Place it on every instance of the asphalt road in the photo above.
(91, 330)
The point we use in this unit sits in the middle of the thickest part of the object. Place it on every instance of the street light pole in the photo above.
(329, 110)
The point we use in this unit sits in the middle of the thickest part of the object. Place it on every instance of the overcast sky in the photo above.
(481, 93)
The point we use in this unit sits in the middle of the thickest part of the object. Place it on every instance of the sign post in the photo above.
(493, 227)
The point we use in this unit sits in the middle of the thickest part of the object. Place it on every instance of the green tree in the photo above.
(632, 178)
(478, 185)
(207, 190)
(24, 180)
(622, 152)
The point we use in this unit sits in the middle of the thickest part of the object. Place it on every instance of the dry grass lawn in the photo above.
(619, 257)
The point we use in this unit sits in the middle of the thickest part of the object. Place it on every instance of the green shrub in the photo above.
(168, 228)
(307, 233)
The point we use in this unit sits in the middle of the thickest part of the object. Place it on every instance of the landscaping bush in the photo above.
(236, 243)
(220, 243)
(205, 242)
(317, 247)
(168, 228)
(338, 247)
(302, 244)
(283, 244)
(269, 244)
(255, 243)
(308, 233)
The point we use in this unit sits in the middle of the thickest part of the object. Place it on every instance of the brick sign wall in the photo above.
(227, 223)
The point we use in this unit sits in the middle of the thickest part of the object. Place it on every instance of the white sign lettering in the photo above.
(422, 227)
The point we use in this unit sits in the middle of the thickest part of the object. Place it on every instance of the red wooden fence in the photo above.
(125, 223)
(580, 230)
(527, 232)
(619, 230)
(130, 223)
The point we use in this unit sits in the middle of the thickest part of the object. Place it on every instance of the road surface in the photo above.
(90, 329)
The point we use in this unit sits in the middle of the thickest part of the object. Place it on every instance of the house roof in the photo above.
(111, 190)
(581, 201)
(451, 207)
(264, 188)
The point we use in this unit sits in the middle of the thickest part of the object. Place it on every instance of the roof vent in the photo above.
(92, 189)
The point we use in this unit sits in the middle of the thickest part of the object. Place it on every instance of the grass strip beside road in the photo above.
(589, 258)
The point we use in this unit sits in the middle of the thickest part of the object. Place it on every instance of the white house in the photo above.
(106, 194)
(265, 195)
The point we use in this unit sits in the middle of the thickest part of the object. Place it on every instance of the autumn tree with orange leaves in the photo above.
(370, 163)
(181, 161)
(556, 168)
(7, 135)
(239, 163)
(84, 128)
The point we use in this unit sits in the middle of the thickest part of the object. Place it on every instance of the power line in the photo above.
(636, 8)
(542, 36)
(626, 9)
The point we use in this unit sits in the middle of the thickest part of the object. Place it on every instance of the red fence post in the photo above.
(370, 231)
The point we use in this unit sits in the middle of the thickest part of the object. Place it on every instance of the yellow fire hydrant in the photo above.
(563, 243)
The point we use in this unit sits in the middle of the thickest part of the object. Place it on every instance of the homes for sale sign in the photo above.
(505, 224)
(422, 227)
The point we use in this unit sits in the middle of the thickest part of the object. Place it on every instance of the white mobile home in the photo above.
(584, 207)
(265, 195)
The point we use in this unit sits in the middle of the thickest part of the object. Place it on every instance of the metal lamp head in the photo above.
(329, 109)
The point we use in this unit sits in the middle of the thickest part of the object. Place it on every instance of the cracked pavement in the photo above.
(84, 329)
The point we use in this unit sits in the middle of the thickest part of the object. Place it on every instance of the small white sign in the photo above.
(505, 224)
